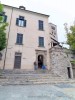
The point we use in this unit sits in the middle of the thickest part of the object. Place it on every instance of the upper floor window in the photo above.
(21, 21)
(41, 41)
(3, 17)
(41, 25)
(19, 39)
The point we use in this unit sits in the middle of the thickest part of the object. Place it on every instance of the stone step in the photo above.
(34, 79)
(23, 82)
(26, 72)
(31, 77)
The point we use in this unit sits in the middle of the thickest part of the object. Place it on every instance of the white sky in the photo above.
(60, 11)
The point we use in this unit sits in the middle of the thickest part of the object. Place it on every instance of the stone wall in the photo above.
(60, 61)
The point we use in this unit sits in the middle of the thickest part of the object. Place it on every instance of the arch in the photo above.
(40, 61)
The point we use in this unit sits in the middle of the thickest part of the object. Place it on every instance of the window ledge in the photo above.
(41, 46)
(18, 44)
(41, 30)
(21, 26)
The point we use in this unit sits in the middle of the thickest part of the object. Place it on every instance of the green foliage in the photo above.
(71, 37)
(73, 61)
(2, 29)
(1, 7)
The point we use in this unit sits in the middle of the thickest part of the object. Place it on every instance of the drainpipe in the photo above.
(8, 38)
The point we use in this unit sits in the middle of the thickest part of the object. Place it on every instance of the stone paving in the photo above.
(38, 92)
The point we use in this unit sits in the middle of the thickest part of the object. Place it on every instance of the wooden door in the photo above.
(17, 62)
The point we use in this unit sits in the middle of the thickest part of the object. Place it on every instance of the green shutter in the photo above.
(17, 21)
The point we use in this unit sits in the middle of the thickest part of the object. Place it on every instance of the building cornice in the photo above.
(27, 10)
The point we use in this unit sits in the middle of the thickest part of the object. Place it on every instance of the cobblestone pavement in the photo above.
(38, 92)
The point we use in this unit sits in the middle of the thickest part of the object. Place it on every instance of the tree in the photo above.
(3, 25)
(71, 39)
(70, 36)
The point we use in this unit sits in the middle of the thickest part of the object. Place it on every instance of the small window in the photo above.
(41, 41)
(19, 39)
(3, 17)
(21, 21)
(41, 26)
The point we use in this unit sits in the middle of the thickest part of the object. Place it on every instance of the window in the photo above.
(21, 21)
(41, 41)
(19, 39)
(4, 17)
(41, 25)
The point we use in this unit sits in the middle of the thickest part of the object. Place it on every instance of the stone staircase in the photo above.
(22, 77)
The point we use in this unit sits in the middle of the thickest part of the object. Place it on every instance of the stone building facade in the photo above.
(61, 61)
(32, 40)
(28, 39)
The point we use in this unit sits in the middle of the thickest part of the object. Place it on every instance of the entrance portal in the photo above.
(40, 61)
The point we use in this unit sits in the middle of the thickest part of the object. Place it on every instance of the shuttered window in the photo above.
(21, 21)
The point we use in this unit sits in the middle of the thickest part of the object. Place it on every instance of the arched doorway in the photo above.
(40, 61)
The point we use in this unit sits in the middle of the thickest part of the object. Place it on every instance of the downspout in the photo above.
(8, 38)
